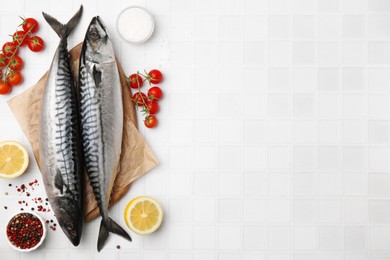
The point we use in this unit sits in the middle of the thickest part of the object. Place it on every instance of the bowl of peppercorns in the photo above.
(25, 231)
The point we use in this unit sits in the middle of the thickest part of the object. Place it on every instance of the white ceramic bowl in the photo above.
(125, 24)
(37, 245)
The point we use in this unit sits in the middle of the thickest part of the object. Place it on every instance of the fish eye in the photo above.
(93, 35)
(69, 226)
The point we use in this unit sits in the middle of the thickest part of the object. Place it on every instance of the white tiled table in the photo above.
(274, 136)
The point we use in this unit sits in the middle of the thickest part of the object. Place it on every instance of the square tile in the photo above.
(184, 153)
(279, 184)
(354, 26)
(355, 211)
(376, 27)
(378, 6)
(206, 53)
(378, 158)
(329, 237)
(329, 53)
(305, 131)
(229, 236)
(229, 210)
(304, 80)
(279, 26)
(304, 184)
(355, 237)
(249, 86)
(304, 157)
(354, 6)
(378, 79)
(328, 105)
(378, 105)
(378, 53)
(254, 54)
(253, 236)
(305, 211)
(254, 131)
(354, 53)
(328, 157)
(229, 157)
(279, 131)
(304, 105)
(254, 210)
(230, 27)
(353, 79)
(304, 238)
(328, 131)
(378, 238)
(255, 27)
(354, 131)
(304, 27)
(279, 53)
(378, 184)
(205, 157)
(182, 27)
(255, 6)
(378, 132)
(254, 157)
(206, 27)
(184, 188)
(304, 53)
(354, 105)
(279, 237)
(379, 211)
(329, 27)
(230, 7)
(204, 184)
(278, 79)
(279, 210)
(254, 184)
(229, 131)
(354, 158)
(355, 184)
(329, 185)
(304, 6)
(204, 131)
(231, 53)
(279, 105)
(328, 6)
(179, 237)
(254, 105)
(280, 6)
(202, 205)
(329, 211)
(179, 211)
(328, 79)
(229, 184)
(279, 157)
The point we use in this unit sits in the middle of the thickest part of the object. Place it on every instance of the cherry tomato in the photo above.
(153, 107)
(30, 24)
(135, 81)
(18, 37)
(140, 98)
(16, 63)
(4, 88)
(14, 78)
(3, 60)
(35, 43)
(155, 76)
(9, 48)
(150, 121)
(155, 93)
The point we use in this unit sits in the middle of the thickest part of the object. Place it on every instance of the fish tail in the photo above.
(108, 225)
(63, 30)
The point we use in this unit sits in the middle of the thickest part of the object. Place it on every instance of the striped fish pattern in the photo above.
(101, 113)
(60, 147)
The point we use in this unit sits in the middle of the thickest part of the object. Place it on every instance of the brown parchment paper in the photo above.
(136, 157)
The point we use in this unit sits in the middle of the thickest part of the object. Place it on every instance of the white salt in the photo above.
(135, 24)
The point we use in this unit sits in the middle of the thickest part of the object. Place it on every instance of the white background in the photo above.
(274, 131)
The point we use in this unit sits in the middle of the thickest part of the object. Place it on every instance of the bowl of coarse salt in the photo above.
(135, 24)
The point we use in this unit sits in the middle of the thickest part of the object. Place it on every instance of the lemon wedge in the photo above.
(14, 159)
(143, 215)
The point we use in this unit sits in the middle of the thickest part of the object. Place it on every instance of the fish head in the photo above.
(98, 46)
(70, 218)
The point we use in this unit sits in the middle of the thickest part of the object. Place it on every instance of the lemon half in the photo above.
(14, 159)
(143, 215)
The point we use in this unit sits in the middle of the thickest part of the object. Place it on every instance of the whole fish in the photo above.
(60, 137)
(101, 114)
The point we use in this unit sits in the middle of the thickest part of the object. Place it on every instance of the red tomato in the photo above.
(30, 25)
(150, 121)
(35, 43)
(140, 99)
(155, 76)
(155, 93)
(14, 78)
(16, 63)
(9, 48)
(135, 81)
(18, 37)
(153, 107)
(3, 60)
(4, 88)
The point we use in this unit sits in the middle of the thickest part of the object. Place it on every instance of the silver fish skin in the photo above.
(101, 114)
(60, 137)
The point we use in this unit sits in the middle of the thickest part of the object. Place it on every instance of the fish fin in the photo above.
(59, 182)
(97, 76)
(108, 225)
(63, 30)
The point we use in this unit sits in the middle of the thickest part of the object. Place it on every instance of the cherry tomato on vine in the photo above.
(3, 60)
(14, 78)
(9, 48)
(155, 93)
(4, 88)
(16, 63)
(153, 107)
(35, 43)
(155, 76)
(19, 37)
(30, 24)
(150, 121)
(140, 98)
(135, 81)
